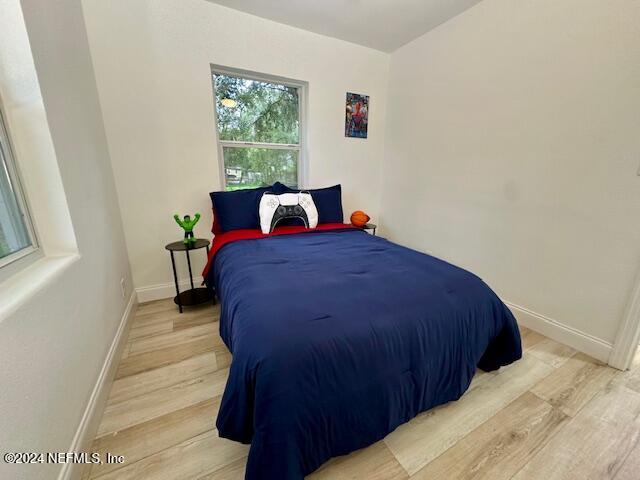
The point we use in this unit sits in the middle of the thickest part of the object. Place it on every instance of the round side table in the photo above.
(370, 226)
(193, 296)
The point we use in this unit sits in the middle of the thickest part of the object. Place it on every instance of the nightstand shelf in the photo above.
(193, 296)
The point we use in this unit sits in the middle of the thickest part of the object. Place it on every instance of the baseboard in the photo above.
(91, 418)
(164, 290)
(583, 342)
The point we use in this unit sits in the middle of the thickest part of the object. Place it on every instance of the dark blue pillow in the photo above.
(237, 209)
(328, 201)
(281, 188)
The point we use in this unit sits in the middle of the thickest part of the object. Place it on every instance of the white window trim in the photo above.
(302, 121)
(26, 283)
(14, 175)
(36, 163)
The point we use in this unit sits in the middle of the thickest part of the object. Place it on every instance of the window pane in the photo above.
(255, 111)
(13, 231)
(256, 167)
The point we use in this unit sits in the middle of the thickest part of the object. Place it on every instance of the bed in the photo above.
(339, 336)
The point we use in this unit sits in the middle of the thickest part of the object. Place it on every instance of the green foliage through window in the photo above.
(14, 235)
(257, 112)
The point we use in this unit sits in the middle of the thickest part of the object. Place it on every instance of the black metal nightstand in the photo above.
(193, 296)
(370, 226)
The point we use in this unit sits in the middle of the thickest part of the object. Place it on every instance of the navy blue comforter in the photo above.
(338, 337)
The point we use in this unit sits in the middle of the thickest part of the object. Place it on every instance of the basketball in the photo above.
(359, 218)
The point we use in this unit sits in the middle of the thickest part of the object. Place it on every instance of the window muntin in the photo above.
(16, 233)
(259, 131)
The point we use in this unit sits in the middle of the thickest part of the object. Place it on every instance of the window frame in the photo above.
(300, 147)
(13, 171)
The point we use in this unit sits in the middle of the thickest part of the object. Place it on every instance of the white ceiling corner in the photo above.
(380, 24)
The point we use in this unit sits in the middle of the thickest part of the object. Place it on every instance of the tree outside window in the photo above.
(258, 125)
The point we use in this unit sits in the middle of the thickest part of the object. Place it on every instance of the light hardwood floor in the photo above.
(556, 414)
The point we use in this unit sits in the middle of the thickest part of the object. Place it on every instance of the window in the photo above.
(16, 233)
(258, 120)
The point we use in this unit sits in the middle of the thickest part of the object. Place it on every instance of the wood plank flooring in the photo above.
(556, 414)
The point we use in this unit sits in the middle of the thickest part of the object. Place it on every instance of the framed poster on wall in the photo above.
(356, 117)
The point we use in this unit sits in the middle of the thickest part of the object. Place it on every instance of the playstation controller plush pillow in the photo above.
(275, 208)
(328, 201)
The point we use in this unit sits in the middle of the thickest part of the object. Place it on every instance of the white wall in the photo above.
(152, 62)
(53, 346)
(26, 121)
(517, 126)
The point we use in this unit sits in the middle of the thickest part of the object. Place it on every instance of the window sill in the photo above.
(24, 285)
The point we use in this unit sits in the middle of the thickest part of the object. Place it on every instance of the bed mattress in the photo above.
(339, 336)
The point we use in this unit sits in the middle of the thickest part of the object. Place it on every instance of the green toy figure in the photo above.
(187, 224)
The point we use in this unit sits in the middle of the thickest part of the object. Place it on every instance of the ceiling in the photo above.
(381, 24)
